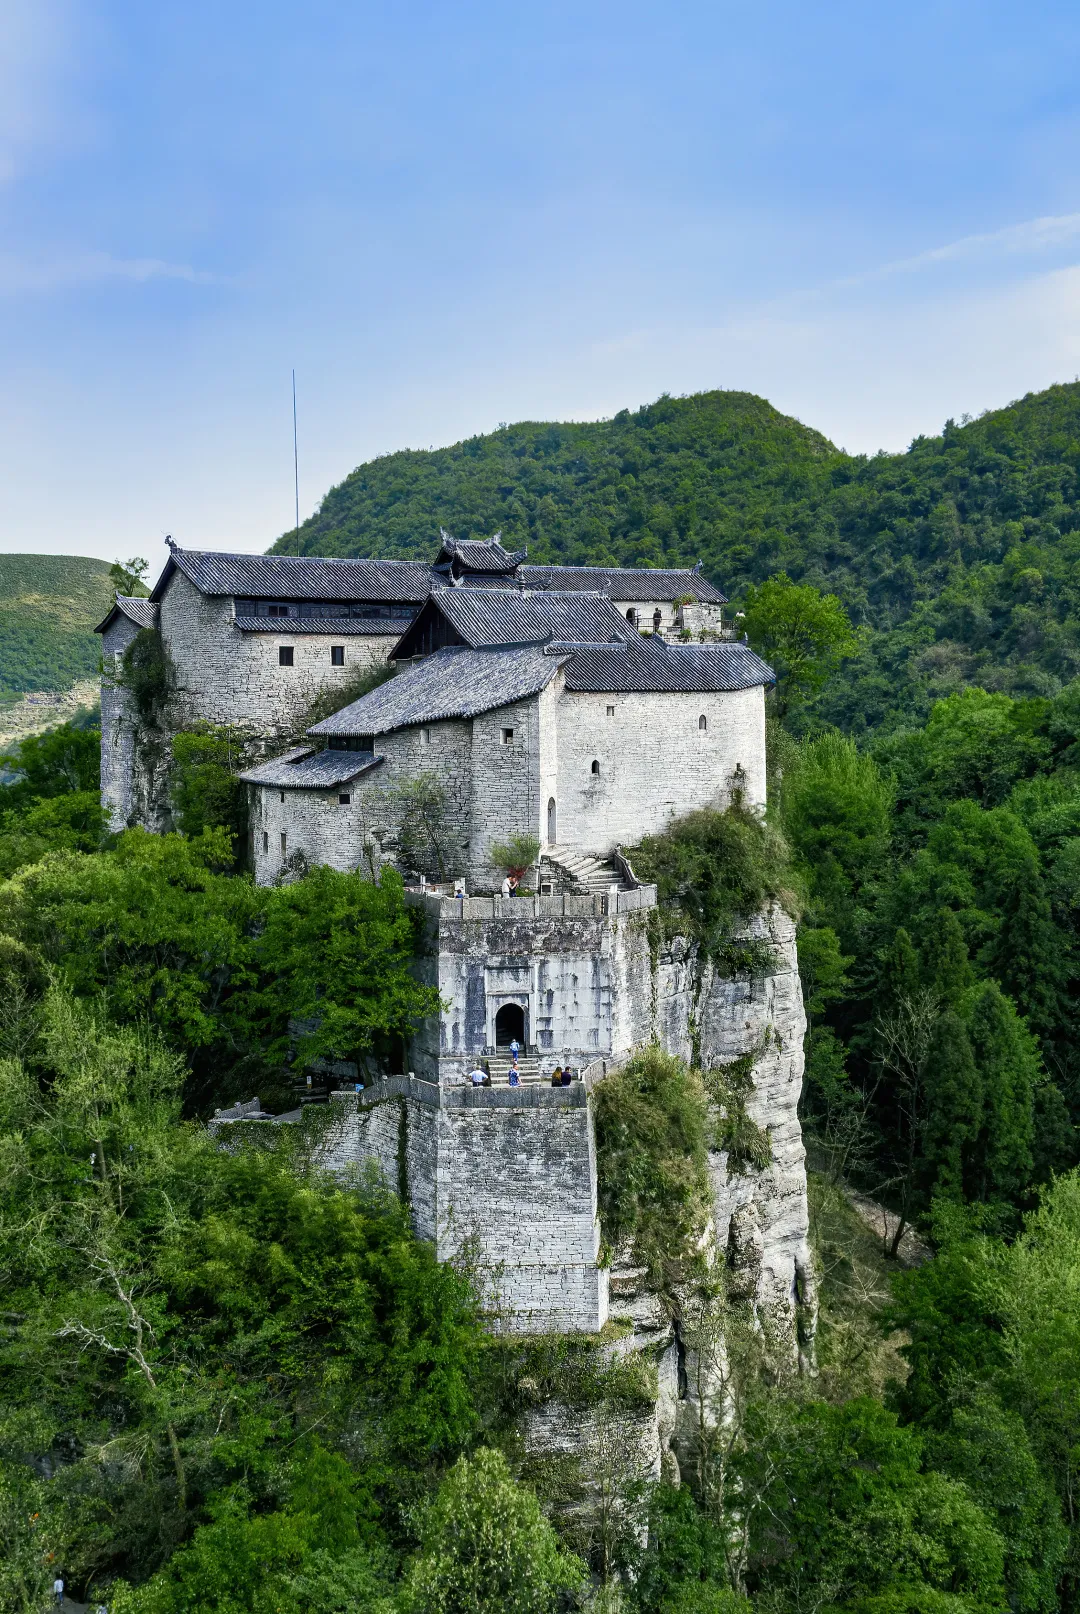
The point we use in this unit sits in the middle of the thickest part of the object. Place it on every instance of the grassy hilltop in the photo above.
(960, 556)
(49, 605)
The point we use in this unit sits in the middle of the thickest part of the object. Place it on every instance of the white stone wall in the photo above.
(225, 676)
(656, 763)
(510, 1188)
(118, 791)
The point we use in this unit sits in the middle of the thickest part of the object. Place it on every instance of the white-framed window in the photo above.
(611, 711)
(337, 655)
(507, 736)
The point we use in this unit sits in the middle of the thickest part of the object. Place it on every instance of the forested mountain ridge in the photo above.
(49, 605)
(959, 556)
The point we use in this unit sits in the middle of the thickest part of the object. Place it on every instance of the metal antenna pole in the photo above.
(296, 463)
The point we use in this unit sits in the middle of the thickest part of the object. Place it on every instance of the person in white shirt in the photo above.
(58, 1591)
(477, 1076)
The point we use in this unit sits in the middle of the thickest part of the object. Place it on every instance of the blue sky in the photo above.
(447, 216)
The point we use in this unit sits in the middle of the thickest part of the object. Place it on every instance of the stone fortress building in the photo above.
(580, 708)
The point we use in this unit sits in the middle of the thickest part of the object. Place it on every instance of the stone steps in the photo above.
(499, 1066)
(593, 876)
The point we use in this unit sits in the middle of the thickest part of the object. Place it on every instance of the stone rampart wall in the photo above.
(508, 1186)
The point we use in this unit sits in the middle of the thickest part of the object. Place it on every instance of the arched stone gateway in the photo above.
(510, 1025)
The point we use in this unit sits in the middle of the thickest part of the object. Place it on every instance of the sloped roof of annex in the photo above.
(140, 611)
(450, 683)
(651, 665)
(305, 768)
(478, 617)
(297, 577)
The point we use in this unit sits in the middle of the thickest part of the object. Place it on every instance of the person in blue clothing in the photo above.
(515, 1049)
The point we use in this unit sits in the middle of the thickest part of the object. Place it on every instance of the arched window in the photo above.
(552, 825)
(631, 615)
(657, 620)
(596, 768)
(701, 723)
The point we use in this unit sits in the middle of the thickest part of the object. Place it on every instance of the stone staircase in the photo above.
(583, 873)
(499, 1066)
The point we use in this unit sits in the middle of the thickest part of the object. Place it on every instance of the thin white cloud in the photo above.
(85, 268)
(1034, 235)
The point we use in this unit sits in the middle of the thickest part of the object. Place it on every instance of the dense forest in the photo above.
(49, 605)
(229, 1384)
(959, 558)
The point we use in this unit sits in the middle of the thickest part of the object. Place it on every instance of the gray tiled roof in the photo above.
(321, 624)
(304, 769)
(624, 582)
(489, 616)
(451, 683)
(142, 612)
(652, 665)
(480, 554)
(298, 577)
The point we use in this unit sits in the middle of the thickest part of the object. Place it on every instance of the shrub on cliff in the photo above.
(715, 871)
(651, 1146)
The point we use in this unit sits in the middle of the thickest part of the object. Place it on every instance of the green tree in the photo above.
(1009, 1072)
(55, 763)
(839, 1507)
(803, 633)
(129, 577)
(333, 954)
(837, 813)
(486, 1547)
(204, 784)
(954, 1105)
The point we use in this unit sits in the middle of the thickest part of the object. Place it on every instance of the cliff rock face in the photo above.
(752, 1029)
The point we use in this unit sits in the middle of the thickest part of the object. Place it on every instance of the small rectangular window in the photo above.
(283, 843)
(344, 799)
(266, 842)
(337, 655)
(611, 711)
(278, 610)
(283, 795)
(425, 736)
(507, 736)
(284, 655)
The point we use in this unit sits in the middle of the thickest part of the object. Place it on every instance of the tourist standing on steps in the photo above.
(476, 1076)
(515, 1049)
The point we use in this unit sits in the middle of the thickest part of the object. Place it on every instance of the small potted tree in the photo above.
(515, 857)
